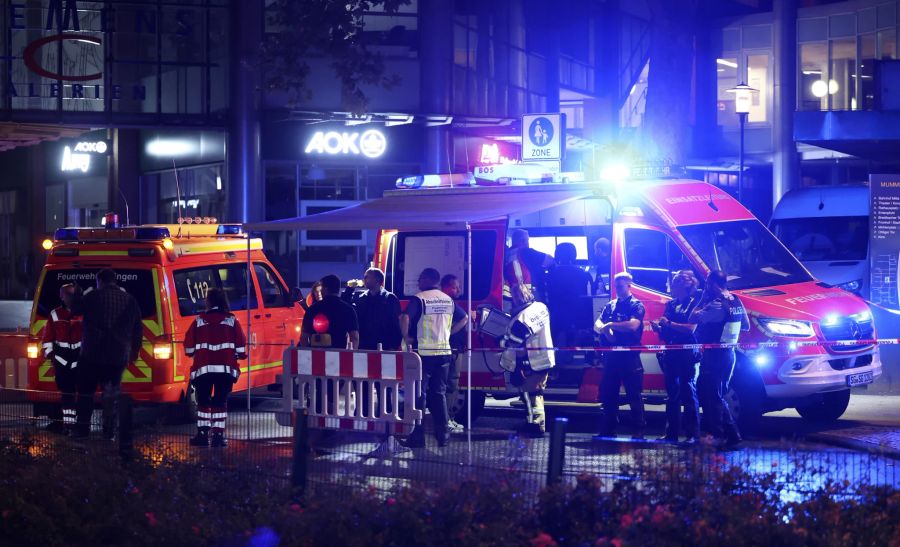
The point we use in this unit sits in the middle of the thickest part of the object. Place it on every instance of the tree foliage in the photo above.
(297, 31)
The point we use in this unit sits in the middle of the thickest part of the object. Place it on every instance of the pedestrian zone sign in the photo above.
(543, 137)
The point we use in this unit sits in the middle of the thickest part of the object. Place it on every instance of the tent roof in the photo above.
(434, 209)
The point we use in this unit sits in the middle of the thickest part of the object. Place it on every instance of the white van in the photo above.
(827, 228)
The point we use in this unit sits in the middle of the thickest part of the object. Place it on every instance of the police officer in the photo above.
(680, 365)
(62, 345)
(621, 324)
(720, 318)
(216, 341)
(426, 325)
(527, 355)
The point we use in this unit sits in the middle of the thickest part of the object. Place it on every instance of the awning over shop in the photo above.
(430, 209)
(14, 135)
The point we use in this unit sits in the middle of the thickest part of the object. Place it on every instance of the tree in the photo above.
(673, 28)
(299, 30)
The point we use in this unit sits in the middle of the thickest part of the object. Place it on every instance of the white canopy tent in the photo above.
(440, 209)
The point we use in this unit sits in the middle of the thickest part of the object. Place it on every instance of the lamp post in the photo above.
(743, 99)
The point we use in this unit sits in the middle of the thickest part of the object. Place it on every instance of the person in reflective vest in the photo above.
(62, 346)
(720, 318)
(216, 341)
(527, 355)
(430, 317)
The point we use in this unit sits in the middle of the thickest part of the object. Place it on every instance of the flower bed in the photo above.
(94, 500)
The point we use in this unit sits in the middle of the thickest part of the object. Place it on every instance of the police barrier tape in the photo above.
(652, 348)
(351, 389)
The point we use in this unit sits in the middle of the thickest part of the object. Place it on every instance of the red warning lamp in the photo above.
(111, 220)
(320, 323)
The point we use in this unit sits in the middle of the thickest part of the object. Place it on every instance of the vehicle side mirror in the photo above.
(296, 295)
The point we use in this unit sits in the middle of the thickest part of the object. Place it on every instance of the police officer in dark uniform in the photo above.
(680, 365)
(621, 324)
(720, 318)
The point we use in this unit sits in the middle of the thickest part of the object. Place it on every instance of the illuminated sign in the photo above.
(77, 156)
(490, 154)
(91, 147)
(31, 51)
(72, 161)
(371, 143)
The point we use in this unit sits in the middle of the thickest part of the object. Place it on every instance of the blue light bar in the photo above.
(66, 234)
(229, 230)
(155, 233)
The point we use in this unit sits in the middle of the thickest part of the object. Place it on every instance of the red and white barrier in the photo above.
(352, 389)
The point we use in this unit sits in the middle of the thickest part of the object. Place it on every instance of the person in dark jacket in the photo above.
(378, 313)
(111, 338)
(451, 287)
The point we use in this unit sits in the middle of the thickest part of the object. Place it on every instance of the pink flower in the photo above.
(295, 507)
(627, 520)
(543, 540)
(134, 490)
(196, 530)
(391, 501)
(616, 542)
(151, 518)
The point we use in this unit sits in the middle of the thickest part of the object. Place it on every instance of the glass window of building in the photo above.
(867, 56)
(887, 44)
(726, 69)
(842, 77)
(812, 92)
(758, 78)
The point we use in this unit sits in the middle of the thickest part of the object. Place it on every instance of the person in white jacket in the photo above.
(527, 353)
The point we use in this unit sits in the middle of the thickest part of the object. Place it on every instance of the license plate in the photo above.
(860, 379)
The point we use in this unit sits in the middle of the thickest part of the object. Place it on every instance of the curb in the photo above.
(853, 444)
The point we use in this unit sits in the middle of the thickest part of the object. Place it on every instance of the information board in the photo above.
(884, 239)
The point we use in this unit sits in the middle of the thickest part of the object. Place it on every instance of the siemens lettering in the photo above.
(370, 144)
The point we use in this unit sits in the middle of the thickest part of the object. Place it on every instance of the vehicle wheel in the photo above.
(746, 397)
(458, 407)
(828, 409)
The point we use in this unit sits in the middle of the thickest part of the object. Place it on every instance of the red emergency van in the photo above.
(168, 269)
(656, 228)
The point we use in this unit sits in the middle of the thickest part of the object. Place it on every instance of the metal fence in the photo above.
(310, 459)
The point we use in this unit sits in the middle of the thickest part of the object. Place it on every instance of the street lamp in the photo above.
(743, 99)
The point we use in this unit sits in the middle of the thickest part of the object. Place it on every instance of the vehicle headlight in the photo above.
(786, 327)
(162, 351)
(33, 350)
(852, 286)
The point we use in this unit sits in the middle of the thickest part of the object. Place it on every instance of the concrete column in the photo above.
(786, 163)
(124, 175)
(245, 187)
(436, 66)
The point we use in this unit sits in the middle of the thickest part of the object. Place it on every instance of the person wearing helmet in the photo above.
(527, 353)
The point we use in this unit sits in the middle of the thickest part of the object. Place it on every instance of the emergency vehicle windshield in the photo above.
(139, 283)
(747, 252)
(824, 238)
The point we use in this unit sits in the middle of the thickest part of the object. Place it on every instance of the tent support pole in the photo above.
(469, 338)
(249, 326)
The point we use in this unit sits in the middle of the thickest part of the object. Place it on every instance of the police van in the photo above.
(656, 228)
(168, 269)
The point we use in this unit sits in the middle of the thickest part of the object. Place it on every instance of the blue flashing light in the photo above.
(761, 360)
(153, 234)
(831, 320)
(229, 230)
(66, 234)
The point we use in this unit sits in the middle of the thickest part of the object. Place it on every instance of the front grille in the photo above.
(848, 329)
(850, 362)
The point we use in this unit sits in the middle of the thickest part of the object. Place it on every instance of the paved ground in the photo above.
(802, 457)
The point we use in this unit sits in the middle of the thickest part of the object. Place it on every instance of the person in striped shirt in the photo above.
(216, 341)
